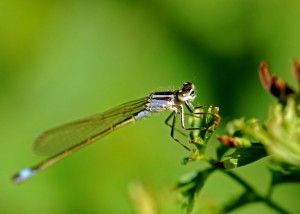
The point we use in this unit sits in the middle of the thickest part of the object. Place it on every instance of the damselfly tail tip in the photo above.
(23, 175)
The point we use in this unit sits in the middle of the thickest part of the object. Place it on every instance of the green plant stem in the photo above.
(258, 197)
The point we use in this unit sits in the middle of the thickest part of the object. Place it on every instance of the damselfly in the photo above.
(66, 139)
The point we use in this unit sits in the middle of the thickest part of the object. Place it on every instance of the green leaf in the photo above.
(280, 134)
(282, 173)
(241, 200)
(205, 121)
(243, 156)
(191, 185)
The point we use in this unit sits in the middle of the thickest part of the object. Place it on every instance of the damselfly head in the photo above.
(187, 93)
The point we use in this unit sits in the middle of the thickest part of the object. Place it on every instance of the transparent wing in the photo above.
(64, 137)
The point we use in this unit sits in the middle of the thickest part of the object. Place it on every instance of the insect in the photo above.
(66, 139)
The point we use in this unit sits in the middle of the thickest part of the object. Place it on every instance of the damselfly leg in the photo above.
(173, 128)
(171, 125)
(193, 113)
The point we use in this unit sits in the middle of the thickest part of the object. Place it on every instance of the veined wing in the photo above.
(91, 128)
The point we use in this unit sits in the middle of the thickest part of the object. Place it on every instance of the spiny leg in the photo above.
(173, 128)
(192, 109)
(215, 115)
(200, 113)
(171, 125)
(181, 112)
(193, 113)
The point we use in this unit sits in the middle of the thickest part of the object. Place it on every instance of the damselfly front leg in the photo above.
(180, 111)
(194, 112)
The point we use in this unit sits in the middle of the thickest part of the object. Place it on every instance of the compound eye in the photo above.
(181, 95)
(187, 86)
(187, 92)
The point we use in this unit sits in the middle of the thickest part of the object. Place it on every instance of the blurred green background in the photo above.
(63, 60)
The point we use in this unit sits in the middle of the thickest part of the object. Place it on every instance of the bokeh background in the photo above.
(63, 60)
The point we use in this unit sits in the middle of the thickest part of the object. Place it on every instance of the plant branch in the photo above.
(258, 197)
